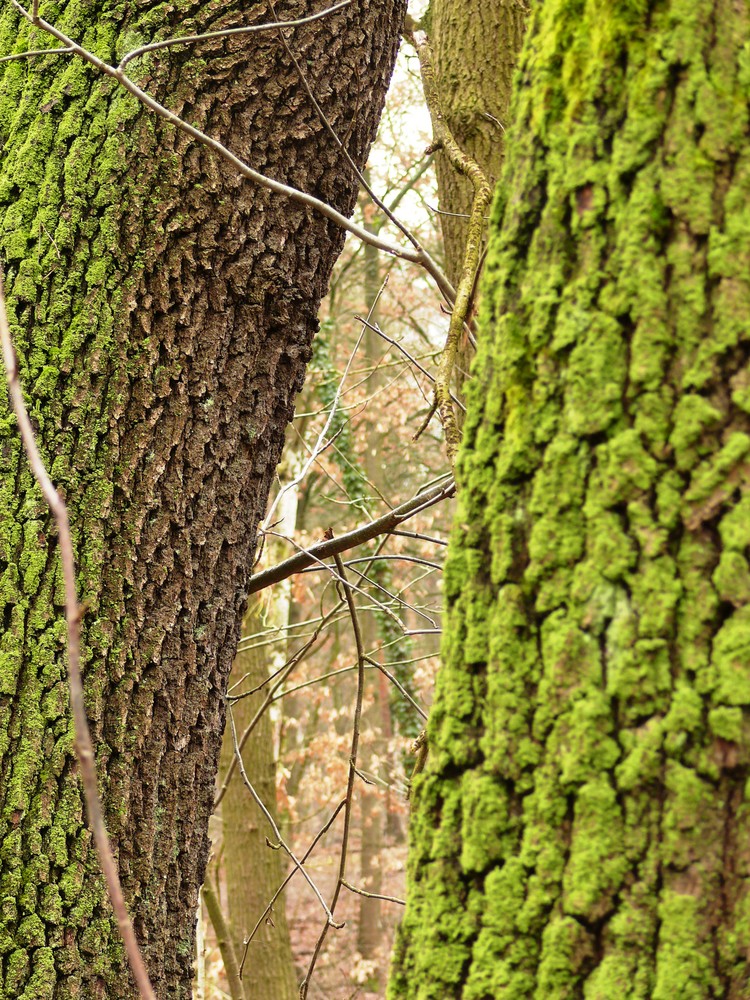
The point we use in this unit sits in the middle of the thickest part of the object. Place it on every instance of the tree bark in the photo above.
(254, 871)
(475, 45)
(581, 829)
(162, 310)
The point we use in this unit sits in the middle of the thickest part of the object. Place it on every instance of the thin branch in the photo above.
(420, 537)
(332, 546)
(282, 673)
(36, 52)
(228, 32)
(276, 832)
(472, 260)
(321, 833)
(352, 769)
(318, 449)
(394, 558)
(415, 255)
(446, 288)
(397, 683)
(73, 614)
(373, 664)
(373, 895)
(333, 573)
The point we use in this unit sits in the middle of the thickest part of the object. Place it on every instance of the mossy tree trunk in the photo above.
(582, 826)
(162, 310)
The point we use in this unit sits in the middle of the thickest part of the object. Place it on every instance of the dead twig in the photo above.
(331, 546)
(417, 255)
(280, 842)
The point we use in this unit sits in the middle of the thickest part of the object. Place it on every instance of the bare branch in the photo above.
(228, 32)
(472, 262)
(73, 614)
(332, 546)
(276, 832)
(282, 673)
(415, 255)
(321, 833)
(373, 895)
(36, 52)
(319, 444)
(352, 768)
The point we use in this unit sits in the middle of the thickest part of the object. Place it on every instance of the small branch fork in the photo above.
(333, 546)
(73, 614)
(280, 842)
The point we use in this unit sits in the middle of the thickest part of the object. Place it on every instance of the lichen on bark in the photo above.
(162, 309)
(579, 830)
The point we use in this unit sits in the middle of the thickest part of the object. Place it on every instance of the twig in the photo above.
(282, 673)
(329, 547)
(397, 683)
(373, 895)
(318, 445)
(228, 32)
(36, 52)
(395, 558)
(73, 614)
(467, 166)
(272, 822)
(415, 255)
(321, 833)
(449, 293)
(334, 574)
(304, 987)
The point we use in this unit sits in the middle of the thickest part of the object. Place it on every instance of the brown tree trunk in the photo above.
(163, 310)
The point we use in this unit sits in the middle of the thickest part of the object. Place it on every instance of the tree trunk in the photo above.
(369, 926)
(475, 45)
(162, 309)
(582, 826)
(252, 869)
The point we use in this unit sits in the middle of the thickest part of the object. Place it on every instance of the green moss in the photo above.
(732, 578)
(565, 948)
(726, 723)
(734, 526)
(731, 680)
(682, 969)
(710, 478)
(604, 467)
(694, 418)
(597, 862)
(484, 815)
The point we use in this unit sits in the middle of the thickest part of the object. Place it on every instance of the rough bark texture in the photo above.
(475, 45)
(163, 311)
(254, 871)
(582, 828)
